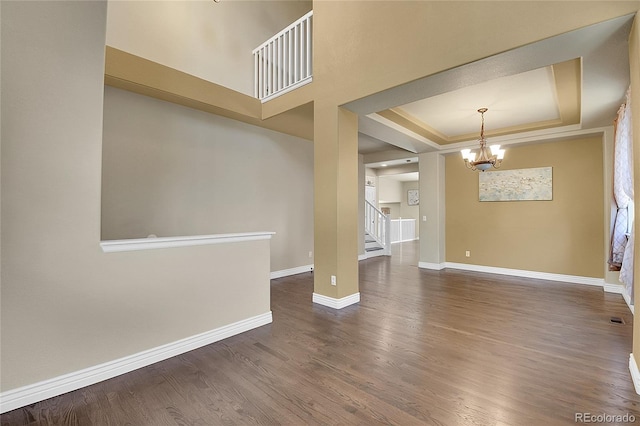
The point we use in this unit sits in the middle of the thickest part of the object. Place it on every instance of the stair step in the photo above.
(373, 248)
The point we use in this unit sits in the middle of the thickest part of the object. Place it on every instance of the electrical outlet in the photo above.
(424, 218)
(310, 254)
(333, 280)
(467, 253)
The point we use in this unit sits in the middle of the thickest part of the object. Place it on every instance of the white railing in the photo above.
(403, 230)
(378, 226)
(283, 62)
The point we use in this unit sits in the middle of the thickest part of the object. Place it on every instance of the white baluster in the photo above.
(255, 76)
(278, 65)
(263, 72)
(271, 68)
(307, 24)
(285, 55)
(295, 53)
(268, 70)
(301, 53)
(290, 33)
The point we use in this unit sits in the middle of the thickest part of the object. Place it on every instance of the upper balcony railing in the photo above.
(284, 62)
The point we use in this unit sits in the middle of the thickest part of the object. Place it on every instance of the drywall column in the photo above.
(432, 254)
(634, 63)
(336, 206)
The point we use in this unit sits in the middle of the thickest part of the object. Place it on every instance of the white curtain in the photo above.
(621, 257)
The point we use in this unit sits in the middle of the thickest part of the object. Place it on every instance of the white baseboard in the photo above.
(433, 266)
(635, 374)
(528, 274)
(372, 254)
(627, 298)
(16, 398)
(291, 271)
(613, 288)
(622, 290)
(336, 303)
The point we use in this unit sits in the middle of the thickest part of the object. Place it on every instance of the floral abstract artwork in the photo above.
(517, 185)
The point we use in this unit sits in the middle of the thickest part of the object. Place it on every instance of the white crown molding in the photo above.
(542, 135)
(336, 303)
(111, 246)
(398, 128)
(635, 374)
(576, 279)
(16, 398)
(291, 271)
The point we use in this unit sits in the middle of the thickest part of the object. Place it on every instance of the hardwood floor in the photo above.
(422, 347)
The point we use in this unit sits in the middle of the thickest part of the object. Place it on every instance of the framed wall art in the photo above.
(413, 197)
(534, 184)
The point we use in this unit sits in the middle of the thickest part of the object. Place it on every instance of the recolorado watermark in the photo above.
(604, 418)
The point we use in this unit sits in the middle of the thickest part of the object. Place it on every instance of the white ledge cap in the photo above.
(111, 246)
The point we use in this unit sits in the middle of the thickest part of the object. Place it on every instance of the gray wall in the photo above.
(66, 305)
(169, 170)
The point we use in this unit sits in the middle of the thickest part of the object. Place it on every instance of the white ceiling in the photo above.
(512, 101)
(392, 163)
(517, 86)
(402, 177)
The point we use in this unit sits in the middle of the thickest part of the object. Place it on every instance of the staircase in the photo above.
(377, 232)
(371, 247)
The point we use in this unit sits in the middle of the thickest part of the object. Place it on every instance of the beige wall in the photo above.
(65, 305)
(389, 190)
(210, 40)
(359, 39)
(169, 170)
(407, 211)
(356, 41)
(394, 209)
(562, 236)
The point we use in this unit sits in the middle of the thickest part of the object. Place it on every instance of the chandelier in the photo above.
(484, 161)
